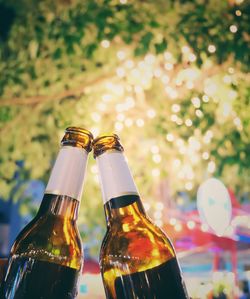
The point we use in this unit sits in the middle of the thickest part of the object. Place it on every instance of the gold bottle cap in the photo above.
(78, 137)
(107, 142)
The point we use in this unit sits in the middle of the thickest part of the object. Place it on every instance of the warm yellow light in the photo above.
(174, 117)
(129, 64)
(233, 28)
(120, 72)
(196, 102)
(168, 66)
(105, 43)
(172, 221)
(205, 98)
(211, 48)
(168, 55)
(121, 55)
(238, 13)
(178, 227)
(191, 57)
(176, 108)
(140, 122)
(128, 122)
(155, 172)
(199, 113)
(159, 206)
(123, 1)
(165, 79)
(205, 155)
(118, 126)
(170, 137)
(151, 113)
(185, 49)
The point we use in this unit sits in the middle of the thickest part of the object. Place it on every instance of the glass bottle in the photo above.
(137, 259)
(46, 257)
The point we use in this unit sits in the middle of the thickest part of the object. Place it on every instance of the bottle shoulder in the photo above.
(49, 238)
(137, 244)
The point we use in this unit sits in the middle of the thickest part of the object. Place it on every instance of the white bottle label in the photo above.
(67, 175)
(115, 177)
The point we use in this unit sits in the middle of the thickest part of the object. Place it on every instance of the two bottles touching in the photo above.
(137, 260)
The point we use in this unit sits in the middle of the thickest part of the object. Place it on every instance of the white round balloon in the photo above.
(214, 205)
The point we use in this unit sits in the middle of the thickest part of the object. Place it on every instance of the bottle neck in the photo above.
(59, 205)
(64, 189)
(124, 210)
(114, 175)
(67, 176)
(120, 195)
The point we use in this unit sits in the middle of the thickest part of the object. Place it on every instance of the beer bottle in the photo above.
(137, 259)
(46, 257)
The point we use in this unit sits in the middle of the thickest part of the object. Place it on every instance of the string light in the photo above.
(157, 215)
(211, 167)
(196, 102)
(204, 227)
(159, 206)
(120, 117)
(151, 113)
(155, 172)
(128, 122)
(105, 43)
(121, 55)
(188, 122)
(156, 158)
(238, 13)
(233, 28)
(120, 72)
(168, 55)
(205, 155)
(211, 48)
(159, 222)
(170, 137)
(140, 122)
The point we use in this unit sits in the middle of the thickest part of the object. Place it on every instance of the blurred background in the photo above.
(171, 78)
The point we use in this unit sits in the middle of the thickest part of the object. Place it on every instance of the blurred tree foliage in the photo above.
(57, 56)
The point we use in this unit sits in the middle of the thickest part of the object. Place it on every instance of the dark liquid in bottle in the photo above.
(32, 279)
(161, 282)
